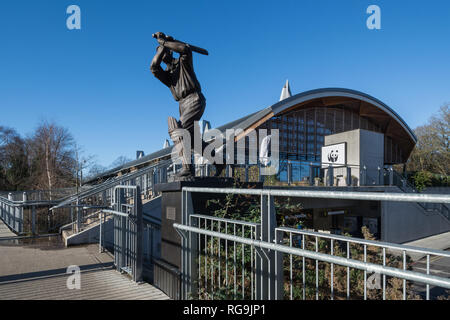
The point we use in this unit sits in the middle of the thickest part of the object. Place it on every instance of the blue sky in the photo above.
(96, 81)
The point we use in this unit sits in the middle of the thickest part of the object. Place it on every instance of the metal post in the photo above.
(428, 272)
(78, 216)
(20, 230)
(264, 270)
(311, 174)
(279, 288)
(289, 172)
(391, 176)
(246, 172)
(138, 225)
(100, 241)
(72, 218)
(10, 198)
(330, 176)
(258, 266)
(189, 252)
(380, 176)
(229, 171)
(268, 224)
(16, 218)
(349, 176)
(363, 176)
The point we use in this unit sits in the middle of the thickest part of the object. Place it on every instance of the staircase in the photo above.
(428, 208)
(86, 205)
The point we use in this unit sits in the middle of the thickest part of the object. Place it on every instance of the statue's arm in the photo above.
(157, 59)
(156, 69)
(176, 46)
(172, 44)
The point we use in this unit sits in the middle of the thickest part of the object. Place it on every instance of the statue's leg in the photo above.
(178, 144)
(191, 110)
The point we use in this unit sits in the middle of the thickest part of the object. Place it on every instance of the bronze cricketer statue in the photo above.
(180, 77)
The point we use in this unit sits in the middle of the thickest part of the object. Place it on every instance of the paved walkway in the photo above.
(437, 242)
(4, 231)
(36, 269)
(439, 266)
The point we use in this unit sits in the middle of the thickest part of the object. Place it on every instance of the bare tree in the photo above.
(432, 151)
(83, 162)
(120, 161)
(95, 169)
(14, 171)
(53, 152)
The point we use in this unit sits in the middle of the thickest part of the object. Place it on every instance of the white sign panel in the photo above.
(334, 155)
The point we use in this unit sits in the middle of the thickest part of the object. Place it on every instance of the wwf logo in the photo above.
(333, 156)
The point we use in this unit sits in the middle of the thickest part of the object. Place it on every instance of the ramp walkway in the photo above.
(4, 231)
(35, 269)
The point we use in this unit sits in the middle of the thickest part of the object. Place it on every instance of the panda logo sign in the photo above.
(334, 155)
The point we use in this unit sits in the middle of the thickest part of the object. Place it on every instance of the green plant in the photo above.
(422, 179)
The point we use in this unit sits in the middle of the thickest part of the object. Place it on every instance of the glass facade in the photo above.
(302, 131)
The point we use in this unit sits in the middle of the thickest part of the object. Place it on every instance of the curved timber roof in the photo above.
(391, 124)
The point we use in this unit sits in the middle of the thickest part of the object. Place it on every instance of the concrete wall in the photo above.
(404, 221)
(91, 235)
(371, 154)
(152, 238)
(439, 190)
(364, 148)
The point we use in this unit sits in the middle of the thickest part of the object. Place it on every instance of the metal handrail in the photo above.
(350, 195)
(405, 186)
(246, 223)
(18, 203)
(372, 243)
(110, 184)
(117, 213)
(273, 240)
(366, 266)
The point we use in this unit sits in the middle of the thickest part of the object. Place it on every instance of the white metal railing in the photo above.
(127, 229)
(269, 255)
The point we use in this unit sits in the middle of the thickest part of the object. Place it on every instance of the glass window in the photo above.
(302, 132)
